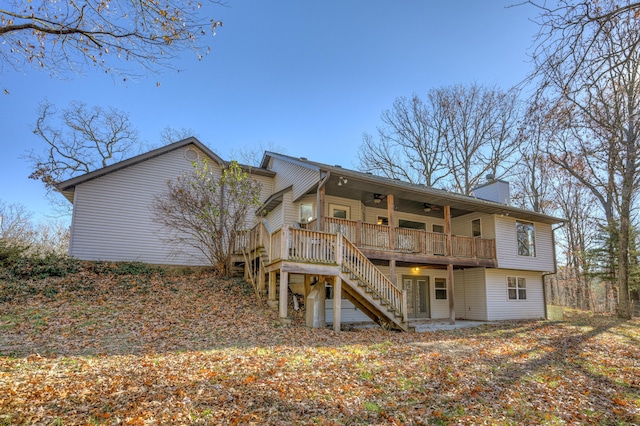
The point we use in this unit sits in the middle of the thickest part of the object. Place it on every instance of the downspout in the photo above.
(555, 267)
(323, 182)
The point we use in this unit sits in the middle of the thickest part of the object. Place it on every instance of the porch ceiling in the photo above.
(410, 198)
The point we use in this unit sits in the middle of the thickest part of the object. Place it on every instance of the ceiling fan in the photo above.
(428, 207)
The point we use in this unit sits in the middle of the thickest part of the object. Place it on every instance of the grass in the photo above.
(158, 347)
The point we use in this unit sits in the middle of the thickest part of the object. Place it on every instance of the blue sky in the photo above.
(307, 76)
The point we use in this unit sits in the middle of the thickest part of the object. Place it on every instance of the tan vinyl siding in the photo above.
(112, 216)
(290, 210)
(507, 248)
(266, 183)
(470, 284)
(276, 218)
(502, 308)
(287, 174)
(461, 225)
(354, 205)
(348, 312)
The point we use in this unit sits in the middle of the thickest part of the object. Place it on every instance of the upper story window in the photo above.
(340, 212)
(306, 212)
(437, 228)
(476, 230)
(526, 235)
(411, 224)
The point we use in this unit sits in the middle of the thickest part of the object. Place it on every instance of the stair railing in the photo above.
(359, 266)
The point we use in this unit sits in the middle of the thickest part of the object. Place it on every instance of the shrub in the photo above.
(11, 253)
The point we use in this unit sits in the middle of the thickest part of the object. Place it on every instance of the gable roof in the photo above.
(370, 183)
(67, 187)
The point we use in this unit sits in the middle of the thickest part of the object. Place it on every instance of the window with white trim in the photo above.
(525, 232)
(440, 286)
(306, 212)
(517, 288)
(476, 229)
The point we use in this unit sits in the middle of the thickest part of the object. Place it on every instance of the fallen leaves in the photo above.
(195, 350)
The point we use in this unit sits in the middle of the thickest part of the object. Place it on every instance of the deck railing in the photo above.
(251, 239)
(304, 245)
(382, 237)
(366, 236)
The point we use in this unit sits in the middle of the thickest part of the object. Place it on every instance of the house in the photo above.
(395, 251)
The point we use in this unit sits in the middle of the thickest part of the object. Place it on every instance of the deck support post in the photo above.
(307, 286)
(337, 302)
(392, 271)
(272, 285)
(261, 283)
(284, 291)
(451, 295)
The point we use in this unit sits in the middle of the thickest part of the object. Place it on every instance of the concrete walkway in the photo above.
(436, 325)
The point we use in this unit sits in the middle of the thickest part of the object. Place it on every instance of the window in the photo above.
(476, 230)
(306, 212)
(526, 239)
(440, 285)
(383, 221)
(438, 228)
(411, 224)
(517, 288)
(339, 212)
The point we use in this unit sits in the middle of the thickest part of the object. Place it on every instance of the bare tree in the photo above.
(65, 37)
(205, 209)
(16, 223)
(252, 155)
(481, 133)
(587, 61)
(78, 140)
(453, 139)
(572, 31)
(410, 143)
(533, 177)
(86, 139)
(170, 135)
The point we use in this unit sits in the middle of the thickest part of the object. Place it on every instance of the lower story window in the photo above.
(517, 288)
(440, 286)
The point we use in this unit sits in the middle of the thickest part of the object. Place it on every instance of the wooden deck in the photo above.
(413, 245)
(345, 250)
(376, 241)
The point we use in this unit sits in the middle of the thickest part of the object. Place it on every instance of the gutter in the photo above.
(323, 182)
(555, 267)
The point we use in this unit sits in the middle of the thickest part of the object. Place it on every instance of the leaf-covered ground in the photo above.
(191, 349)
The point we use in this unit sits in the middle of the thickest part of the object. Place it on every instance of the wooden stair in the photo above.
(364, 284)
(369, 289)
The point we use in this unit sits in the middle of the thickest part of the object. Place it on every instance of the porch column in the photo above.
(451, 295)
(390, 213)
(337, 302)
(284, 290)
(320, 199)
(447, 227)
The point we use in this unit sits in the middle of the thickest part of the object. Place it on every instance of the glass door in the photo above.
(417, 296)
